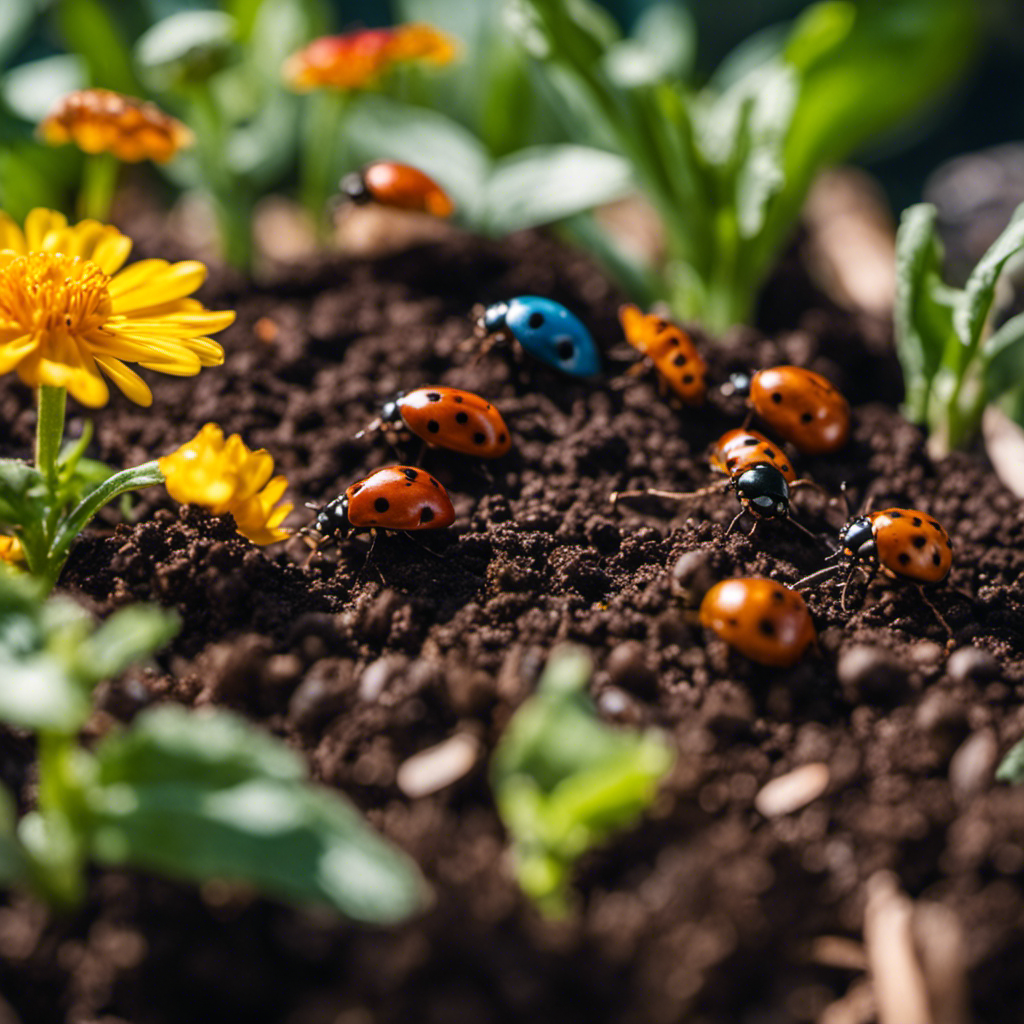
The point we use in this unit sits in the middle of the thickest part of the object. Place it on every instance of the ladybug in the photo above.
(545, 329)
(447, 418)
(392, 498)
(399, 186)
(763, 620)
(759, 472)
(799, 405)
(670, 349)
(903, 543)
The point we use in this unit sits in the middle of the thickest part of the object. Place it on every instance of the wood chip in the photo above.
(839, 952)
(790, 792)
(433, 769)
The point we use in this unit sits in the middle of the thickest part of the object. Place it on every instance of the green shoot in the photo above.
(1012, 767)
(192, 795)
(728, 166)
(564, 780)
(954, 363)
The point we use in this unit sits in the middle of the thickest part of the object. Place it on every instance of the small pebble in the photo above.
(973, 765)
(972, 664)
(629, 667)
(792, 791)
(437, 767)
(323, 694)
(693, 576)
(378, 674)
(867, 672)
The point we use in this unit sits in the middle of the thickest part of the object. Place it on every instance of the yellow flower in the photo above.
(101, 121)
(69, 314)
(224, 476)
(358, 60)
(11, 550)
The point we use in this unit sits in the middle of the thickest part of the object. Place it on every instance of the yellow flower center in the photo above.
(47, 292)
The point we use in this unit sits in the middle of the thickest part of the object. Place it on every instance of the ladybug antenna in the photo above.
(800, 526)
(935, 611)
(674, 495)
(368, 429)
(829, 570)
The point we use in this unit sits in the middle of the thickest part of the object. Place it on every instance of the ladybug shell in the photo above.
(802, 407)
(740, 449)
(550, 333)
(763, 620)
(399, 498)
(457, 420)
(671, 350)
(406, 188)
(911, 544)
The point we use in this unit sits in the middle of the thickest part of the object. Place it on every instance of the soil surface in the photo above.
(708, 912)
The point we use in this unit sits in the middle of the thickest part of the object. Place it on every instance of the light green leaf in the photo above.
(21, 492)
(544, 184)
(31, 89)
(16, 17)
(973, 308)
(1012, 767)
(186, 48)
(204, 795)
(1003, 358)
(662, 47)
(128, 636)
(38, 693)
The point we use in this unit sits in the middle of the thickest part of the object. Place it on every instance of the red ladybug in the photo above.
(763, 620)
(392, 498)
(670, 349)
(759, 472)
(448, 418)
(399, 186)
(799, 405)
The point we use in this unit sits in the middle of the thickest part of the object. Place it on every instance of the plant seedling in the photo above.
(564, 780)
(192, 795)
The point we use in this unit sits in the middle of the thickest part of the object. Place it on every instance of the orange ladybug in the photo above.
(399, 186)
(448, 418)
(670, 349)
(392, 498)
(799, 405)
(759, 472)
(763, 620)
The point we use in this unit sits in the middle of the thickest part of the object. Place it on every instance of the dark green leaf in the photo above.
(1012, 768)
(205, 795)
(16, 17)
(973, 308)
(21, 493)
(12, 857)
(91, 31)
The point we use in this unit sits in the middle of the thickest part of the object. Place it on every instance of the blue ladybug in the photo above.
(545, 329)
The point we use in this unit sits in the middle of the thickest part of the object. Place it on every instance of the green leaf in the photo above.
(1012, 768)
(205, 795)
(91, 31)
(127, 636)
(39, 694)
(31, 89)
(186, 48)
(564, 780)
(21, 493)
(16, 17)
(662, 47)
(1003, 358)
(544, 184)
(972, 310)
(12, 857)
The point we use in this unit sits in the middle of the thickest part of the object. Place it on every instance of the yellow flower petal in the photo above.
(11, 236)
(127, 380)
(38, 224)
(172, 282)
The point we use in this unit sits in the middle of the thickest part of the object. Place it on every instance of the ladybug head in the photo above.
(333, 517)
(739, 383)
(353, 186)
(858, 539)
(391, 412)
(763, 490)
(493, 318)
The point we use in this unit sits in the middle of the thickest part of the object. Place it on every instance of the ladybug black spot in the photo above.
(903, 558)
(565, 349)
(410, 474)
(949, 544)
(435, 483)
(502, 438)
(917, 521)
(767, 627)
(382, 504)
(458, 399)
(778, 596)
(426, 514)
(357, 488)
(479, 438)
(687, 378)
(661, 325)
(806, 417)
(433, 396)
(770, 452)
(679, 360)
(784, 468)
(751, 440)
(433, 426)
(776, 397)
(919, 540)
(536, 320)
(462, 417)
(734, 623)
(895, 515)
(936, 560)
(935, 525)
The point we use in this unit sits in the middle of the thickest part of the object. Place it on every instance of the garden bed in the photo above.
(708, 911)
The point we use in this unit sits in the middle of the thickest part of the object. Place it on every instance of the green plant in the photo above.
(564, 780)
(954, 362)
(727, 166)
(192, 795)
(1011, 769)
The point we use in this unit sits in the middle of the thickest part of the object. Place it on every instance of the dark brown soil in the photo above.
(705, 912)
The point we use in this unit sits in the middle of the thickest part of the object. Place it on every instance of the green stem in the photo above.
(50, 432)
(99, 181)
(326, 113)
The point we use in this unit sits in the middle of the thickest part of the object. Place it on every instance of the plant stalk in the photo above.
(99, 181)
(51, 405)
(326, 112)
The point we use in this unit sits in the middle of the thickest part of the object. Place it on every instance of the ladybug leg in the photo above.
(935, 611)
(736, 519)
(639, 367)
(849, 580)
(747, 421)
(370, 427)
(674, 495)
(803, 529)
(805, 482)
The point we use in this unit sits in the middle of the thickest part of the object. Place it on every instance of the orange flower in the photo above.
(225, 476)
(11, 550)
(358, 60)
(101, 121)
